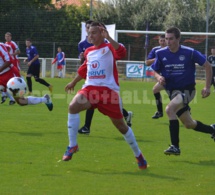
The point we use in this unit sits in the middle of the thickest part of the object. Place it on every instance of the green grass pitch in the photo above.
(33, 141)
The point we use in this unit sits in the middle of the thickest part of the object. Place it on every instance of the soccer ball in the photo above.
(17, 87)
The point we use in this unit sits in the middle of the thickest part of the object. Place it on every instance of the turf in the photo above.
(33, 141)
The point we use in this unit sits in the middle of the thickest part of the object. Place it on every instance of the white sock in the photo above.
(36, 100)
(10, 96)
(3, 94)
(60, 74)
(130, 139)
(73, 125)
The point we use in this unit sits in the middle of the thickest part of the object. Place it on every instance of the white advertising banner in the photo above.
(134, 70)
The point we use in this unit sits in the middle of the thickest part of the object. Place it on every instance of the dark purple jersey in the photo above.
(178, 68)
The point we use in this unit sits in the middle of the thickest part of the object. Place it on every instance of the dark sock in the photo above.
(159, 102)
(88, 118)
(174, 132)
(42, 81)
(204, 128)
(125, 113)
(29, 83)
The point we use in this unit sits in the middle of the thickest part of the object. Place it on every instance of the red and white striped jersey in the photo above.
(14, 47)
(4, 57)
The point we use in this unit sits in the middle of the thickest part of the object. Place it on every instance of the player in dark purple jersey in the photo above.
(33, 66)
(84, 44)
(157, 87)
(175, 69)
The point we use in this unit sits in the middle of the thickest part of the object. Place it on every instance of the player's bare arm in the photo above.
(149, 62)
(17, 52)
(4, 66)
(159, 78)
(70, 86)
(34, 59)
(208, 71)
(106, 35)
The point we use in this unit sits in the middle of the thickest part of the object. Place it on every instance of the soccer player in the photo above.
(8, 71)
(82, 46)
(157, 87)
(211, 59)
(14, 51)
(175, 69)
(33, 66)
(101, 90)
(60, 59)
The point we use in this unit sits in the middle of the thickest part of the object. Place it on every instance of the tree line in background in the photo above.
(41, 21)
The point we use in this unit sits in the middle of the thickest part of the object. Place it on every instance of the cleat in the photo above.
(3, 99)
(128, 118)
(48, 103)
(50, 88)
(157, 115)
(142, 164)
(213, 134)
(69, 152)
(84, 130)
(172, 150)
(11, 102)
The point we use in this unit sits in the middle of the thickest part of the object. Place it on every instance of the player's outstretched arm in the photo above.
(70, 86)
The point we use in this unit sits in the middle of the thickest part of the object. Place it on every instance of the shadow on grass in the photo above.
(140, 173)
(36, 134)
(200, 163)
(116, 138)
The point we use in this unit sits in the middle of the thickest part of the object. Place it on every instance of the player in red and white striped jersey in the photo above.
(15, 49)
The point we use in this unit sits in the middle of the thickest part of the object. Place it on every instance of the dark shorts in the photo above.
(34, 70)
(188, 93)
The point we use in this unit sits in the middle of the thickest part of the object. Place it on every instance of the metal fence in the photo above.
(72, 65)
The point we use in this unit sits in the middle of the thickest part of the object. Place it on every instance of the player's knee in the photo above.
(19, 101)
(155, 90)
(169, 110)
(37, 79)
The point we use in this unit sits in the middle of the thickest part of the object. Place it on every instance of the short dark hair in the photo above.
(28, 39)
(162, 36)
(176, 31)
(89, 22)
(99, 24)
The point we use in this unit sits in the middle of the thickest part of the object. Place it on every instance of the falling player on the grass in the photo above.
(101, 90)
(9, 71)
